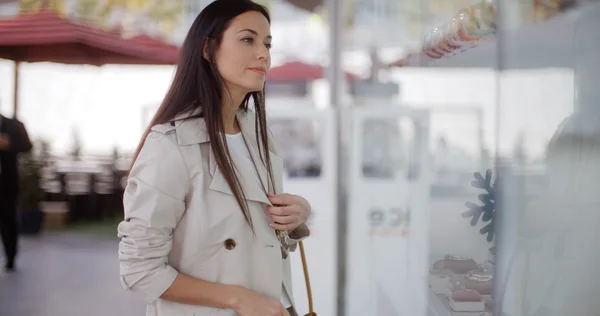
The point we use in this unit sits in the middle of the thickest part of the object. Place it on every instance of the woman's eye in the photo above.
(248, 40)
(268, 45)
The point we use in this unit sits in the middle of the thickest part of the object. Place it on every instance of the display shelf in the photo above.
(545, 44)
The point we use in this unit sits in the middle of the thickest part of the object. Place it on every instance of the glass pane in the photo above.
(414, 248)
(390, 149)
(299, 145)
(549, 127)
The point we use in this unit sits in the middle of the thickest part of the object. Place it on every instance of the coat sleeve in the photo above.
(22, 143)
(154, 202)
(300, 233)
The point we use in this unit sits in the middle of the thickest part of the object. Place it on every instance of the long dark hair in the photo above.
(198, 84)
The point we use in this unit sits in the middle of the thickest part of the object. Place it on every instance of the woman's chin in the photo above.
(256, 88)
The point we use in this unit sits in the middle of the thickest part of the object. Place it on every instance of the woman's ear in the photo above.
(205, 49)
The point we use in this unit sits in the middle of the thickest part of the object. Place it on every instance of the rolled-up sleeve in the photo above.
(154, 202)
(297, 235)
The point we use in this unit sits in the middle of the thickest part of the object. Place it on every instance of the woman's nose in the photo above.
(263, 54)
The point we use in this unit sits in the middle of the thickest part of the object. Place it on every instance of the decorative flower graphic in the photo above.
(486, 211)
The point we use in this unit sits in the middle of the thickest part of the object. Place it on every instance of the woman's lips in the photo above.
(258, 71)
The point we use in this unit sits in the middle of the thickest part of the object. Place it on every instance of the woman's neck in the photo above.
(230, 108)
(231, 127)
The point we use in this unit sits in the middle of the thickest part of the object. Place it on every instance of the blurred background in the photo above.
(448, 148)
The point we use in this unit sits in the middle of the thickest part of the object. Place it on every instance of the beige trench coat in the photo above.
(181, 216)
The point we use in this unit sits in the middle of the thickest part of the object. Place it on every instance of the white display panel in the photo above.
(388, 212)
(306, 141)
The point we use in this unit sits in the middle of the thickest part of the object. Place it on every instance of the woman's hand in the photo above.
(254, 304)
(289, 211)
(4, 141)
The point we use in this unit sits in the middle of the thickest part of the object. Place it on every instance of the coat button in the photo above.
(229, 244)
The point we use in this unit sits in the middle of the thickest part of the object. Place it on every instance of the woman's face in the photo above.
(243, 58)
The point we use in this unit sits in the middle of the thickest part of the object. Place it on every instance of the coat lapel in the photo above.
(252, 188)
(248, 125)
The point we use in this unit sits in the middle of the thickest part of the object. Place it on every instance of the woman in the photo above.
(201, 234)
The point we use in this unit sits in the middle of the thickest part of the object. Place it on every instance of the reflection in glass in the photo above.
(299, 145)
(389, 148)
(556, 255)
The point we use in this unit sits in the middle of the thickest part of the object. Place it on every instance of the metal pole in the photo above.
(504, 205)
(336, 80)
(16, 95)
(336, 33)
(481, 139)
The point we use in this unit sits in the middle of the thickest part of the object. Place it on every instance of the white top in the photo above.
(237, 147)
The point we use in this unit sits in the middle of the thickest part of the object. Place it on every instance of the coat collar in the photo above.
(191, 131)
(190, 128)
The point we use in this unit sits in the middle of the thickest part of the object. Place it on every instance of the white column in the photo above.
(336, 80)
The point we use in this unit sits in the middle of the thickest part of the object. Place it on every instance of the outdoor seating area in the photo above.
(74, 192)
(85, 191)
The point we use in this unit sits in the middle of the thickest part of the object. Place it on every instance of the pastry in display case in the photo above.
(462, 284)
(480, 281)
(465, 300)
(483, 15)
(440, 282)
(544, 9)
(439, 42)
(458, 265)
(460, 31)
(465, 27)
(489, 302)
(469, 26)
(430, 47)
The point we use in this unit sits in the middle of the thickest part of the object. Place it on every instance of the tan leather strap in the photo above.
(306, 279)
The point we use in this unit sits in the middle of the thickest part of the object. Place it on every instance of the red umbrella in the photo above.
(298, 71)
(165, 49)
(309, 5)
(44, 36)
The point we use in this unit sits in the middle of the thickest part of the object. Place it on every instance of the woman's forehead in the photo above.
(253, 22)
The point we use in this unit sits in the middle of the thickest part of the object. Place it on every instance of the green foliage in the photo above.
(164, 16)
(30, 166)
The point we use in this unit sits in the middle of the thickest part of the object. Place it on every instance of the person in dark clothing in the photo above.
(13, 140)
